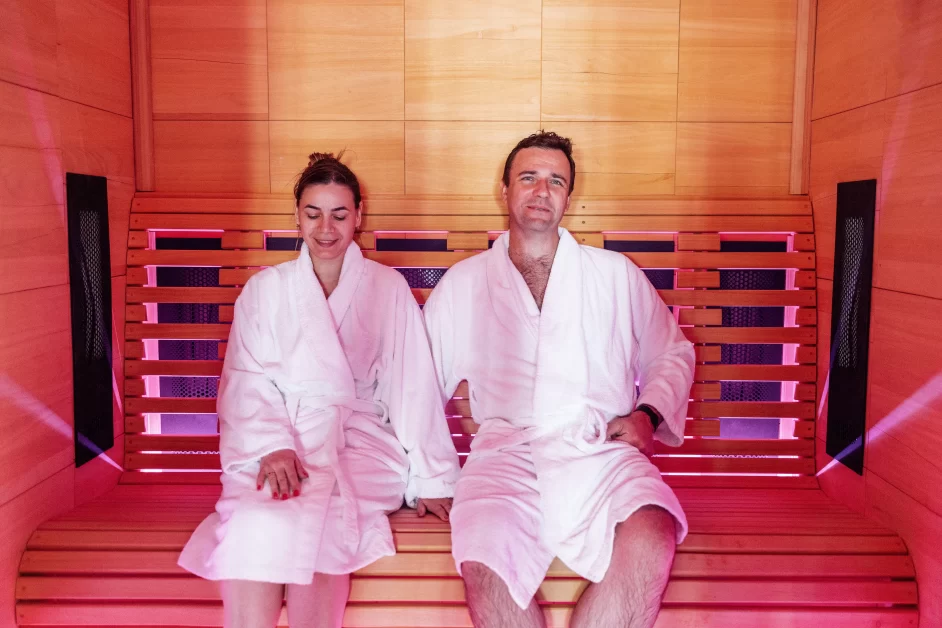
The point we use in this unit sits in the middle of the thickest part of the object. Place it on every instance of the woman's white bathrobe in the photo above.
(542, 480)
(348, 384)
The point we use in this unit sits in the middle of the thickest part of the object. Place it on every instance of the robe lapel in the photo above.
(511, 299)
(319, 328)
(562, 370)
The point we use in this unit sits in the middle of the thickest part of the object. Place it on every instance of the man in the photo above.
(551, 337)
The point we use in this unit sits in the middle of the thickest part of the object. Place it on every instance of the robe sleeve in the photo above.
(439, 321)
(253, 418)
(665, 361)
(415, 409)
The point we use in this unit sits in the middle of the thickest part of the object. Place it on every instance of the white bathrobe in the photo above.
(348, 384)
(541, 480)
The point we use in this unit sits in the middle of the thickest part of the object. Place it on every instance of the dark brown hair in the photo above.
(324, 168)
(547, 140)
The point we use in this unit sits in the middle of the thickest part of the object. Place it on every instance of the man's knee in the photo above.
(477, 575)
(651, 526)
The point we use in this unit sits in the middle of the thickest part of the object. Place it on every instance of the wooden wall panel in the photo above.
(330, 60)
(612, 61)
(910, 226)
(28, 44)
(621, 158)
(737, 60)
(472, 60)
(375, 151)
(728, 158)
(94, 53)
(914, 59)
(209, 59)
(33, 242)
(844, 147)
(853, 37)
(18, 519)
(35, 409)
(459, 157)
(97, 142)
(905, 404)
(212, 156)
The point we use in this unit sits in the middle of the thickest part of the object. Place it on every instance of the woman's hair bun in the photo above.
(314, 158)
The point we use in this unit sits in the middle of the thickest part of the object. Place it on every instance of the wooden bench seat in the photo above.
(767, 547)
(753, 558)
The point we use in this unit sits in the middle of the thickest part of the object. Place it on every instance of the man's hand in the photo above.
(634, 429)
(283, 472)
(439, 507)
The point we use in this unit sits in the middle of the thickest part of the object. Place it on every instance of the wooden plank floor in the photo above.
(754, 557)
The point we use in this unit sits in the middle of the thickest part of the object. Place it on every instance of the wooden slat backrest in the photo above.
(694, 229)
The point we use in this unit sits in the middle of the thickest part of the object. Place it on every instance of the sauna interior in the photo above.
(720, 144)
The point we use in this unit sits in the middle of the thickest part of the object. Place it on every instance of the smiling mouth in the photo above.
(326, 243)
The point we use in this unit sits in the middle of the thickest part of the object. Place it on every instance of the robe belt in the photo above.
(339, 409)
(590, 429)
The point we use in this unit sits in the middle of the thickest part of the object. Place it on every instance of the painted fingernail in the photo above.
(258, 487)
(284, 496)
(296, 492)
(274, 495)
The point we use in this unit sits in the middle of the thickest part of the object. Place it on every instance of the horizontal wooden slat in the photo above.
(137, 240)
(467, 241)
(437, 259)
(134, 424)
(806, 392)
(706, 391)
(706, 279)
(708, 353)
(671, 297)
(195, 368)
(756, 373)
(137, 277)
(243, 240)
(133, 349)
(701, 317)
(475, 205)
(590, 239)
(748, 335)
(134, 387)
(758, 409)
(804, 242)
(806, 316)
(718, 335)
(135, 313)
(806, 355)
(366, 241)
(226, 313)
(235, 276)
(458, 221)
(805, 279)
(698, 242)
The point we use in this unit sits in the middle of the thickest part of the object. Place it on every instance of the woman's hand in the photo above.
(284, 472)
(634, 429)
(440, 507)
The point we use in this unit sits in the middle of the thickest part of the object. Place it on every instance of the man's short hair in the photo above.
(548, 140)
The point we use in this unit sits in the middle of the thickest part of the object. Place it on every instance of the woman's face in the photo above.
(327, 219)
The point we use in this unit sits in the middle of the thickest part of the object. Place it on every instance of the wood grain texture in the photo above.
(374, 151)
(459, 157)
(853, 37)
(209, 58)
(908, 226)
(28, 44)
(142, 92)
(357, 50)
(35, 410)
(613, 61)
(473, 60)
(212, 156)
(94, 53)
(621, 158)
(20, 516)
(748, 156)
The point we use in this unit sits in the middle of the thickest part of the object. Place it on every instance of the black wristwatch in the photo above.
(652, 414)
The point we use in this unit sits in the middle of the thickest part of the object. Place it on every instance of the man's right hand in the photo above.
(634, 429)
(283, 471)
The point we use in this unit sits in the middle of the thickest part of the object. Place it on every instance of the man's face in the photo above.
(538, 194)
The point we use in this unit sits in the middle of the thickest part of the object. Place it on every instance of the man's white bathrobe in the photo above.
(541, 480)
(348, 384)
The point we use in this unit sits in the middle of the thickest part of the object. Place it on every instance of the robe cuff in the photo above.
(435, 488)
(671, 430)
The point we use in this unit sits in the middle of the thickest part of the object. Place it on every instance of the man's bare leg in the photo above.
(630, 593)
(490, 603)
(250, 604)
(320, 604)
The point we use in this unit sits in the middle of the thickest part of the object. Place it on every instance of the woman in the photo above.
(329, 414)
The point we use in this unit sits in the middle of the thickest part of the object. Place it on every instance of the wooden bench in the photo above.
(767, 547)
